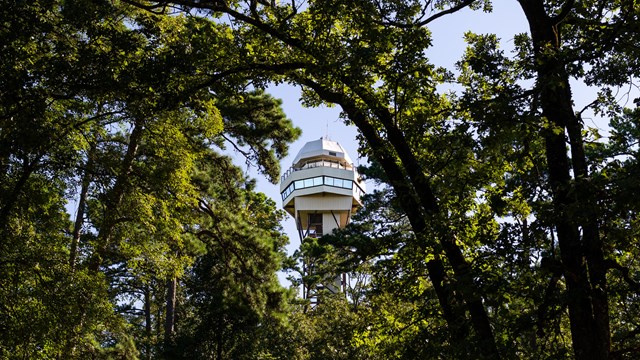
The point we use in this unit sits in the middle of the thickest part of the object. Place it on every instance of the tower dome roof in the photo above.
(322, 147)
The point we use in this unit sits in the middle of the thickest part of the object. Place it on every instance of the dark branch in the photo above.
(564, 12)
(445, 12)
(612, 264)
(429, 19)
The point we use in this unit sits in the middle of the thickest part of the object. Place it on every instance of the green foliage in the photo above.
(257, 121)
(106, 117)
(506, 228)
(509, 228)
(234, 285)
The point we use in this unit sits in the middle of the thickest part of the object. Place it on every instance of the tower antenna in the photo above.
(326, 135)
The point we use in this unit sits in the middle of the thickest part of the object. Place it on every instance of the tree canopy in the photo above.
(105, 135)
(504, 227)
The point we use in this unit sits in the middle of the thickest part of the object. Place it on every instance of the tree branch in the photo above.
(564, 12)
(612, 264)
(429, 19)
(445, 12)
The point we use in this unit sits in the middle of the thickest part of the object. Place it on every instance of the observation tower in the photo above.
(321, 190)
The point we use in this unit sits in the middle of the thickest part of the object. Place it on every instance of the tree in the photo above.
(521, 235)
(233, 294)
(442, 152)
(104, 106)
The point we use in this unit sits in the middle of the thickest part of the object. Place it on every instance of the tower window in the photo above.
(315, 225)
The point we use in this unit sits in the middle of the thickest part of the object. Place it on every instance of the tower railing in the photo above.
(322, 180)
(317, 163)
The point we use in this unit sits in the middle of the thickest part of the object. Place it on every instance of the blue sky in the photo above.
(505, 21)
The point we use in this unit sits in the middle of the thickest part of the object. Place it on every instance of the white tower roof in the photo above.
(321, 178)
(322, 147)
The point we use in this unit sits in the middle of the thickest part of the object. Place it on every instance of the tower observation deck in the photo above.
(321, 190)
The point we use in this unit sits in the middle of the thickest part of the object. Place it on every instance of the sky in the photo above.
(506, 20)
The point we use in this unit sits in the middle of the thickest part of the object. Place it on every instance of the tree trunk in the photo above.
(451, 305)
(147, 321)
(219, 337)
(582, 257)
(418, 201)
(170, 310)
(82, 201)
(419, 185)
(461, 268)
(115, 196)
(12, 197)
